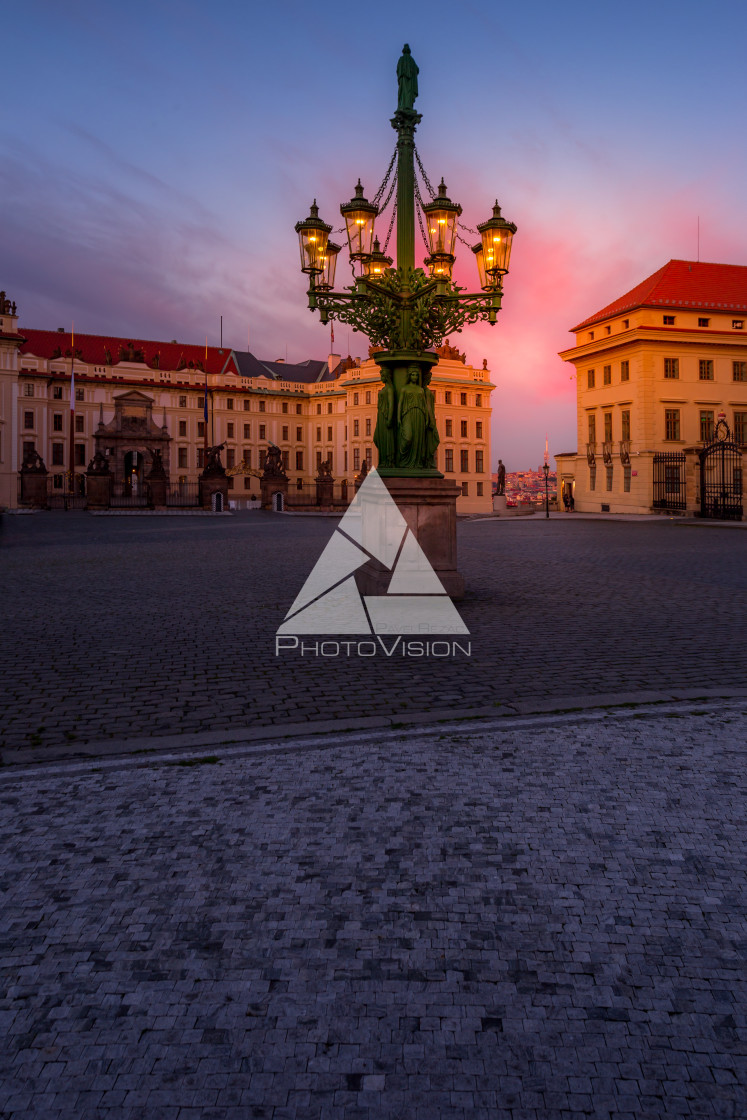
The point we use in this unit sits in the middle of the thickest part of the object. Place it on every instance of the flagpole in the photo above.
(72, 410)
(205, 414)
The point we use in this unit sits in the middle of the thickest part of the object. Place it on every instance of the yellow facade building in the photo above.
(655, 372)
(314, 411)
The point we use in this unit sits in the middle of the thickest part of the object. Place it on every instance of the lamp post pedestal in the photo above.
(428, 505)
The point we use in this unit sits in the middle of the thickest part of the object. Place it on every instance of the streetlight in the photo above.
(546, 469)
(405, 312)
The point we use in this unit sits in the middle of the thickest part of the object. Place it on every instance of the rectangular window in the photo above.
(319, 409)
(625, 423)
(57, 422)
(299, 434)
(299, 409)
(465, 489)
(263, 406)
(201, 429)
(609, 477)
(607, 375)
(737, 324)
(356, 458)
(28, 389)
(625, 324)
(480, 486)
(285, 407)
(705, 369)
(182, 427)
(299, 460)
(29, 447)
(464, 461)
(230, 457)
(740, 428)
(57, 392)
(368, 429)
(592, 421)
(319, 434)
(247, 405)
(369, 458)
(263, 431)
(739, 371)
(478, 403)
(592, 478)
(671, 423)
(590, 376)
(229, 431)
(462, 398)
(672, 368)
(182, 402)
(182, 460)
(608, 427)
(627, 471)
(355, 398)
(248, 456)
(28, 419)
(669, 320)
(463, 428)
(80, 454)
(479, 462)
(285, 431)
(57, 483)
(706, 425)
(200, 458)
(80, 423)
(449, 427)
(478, 430)
(247, 431)
(57, 454)
(79, 395)
(286, 460)
(247, 483)
(368, 396)
(329, 406)
(449, 460)
(625, 371)
(447, 397)
(262, 460)
(356, 428)
(229, 402)
(200, 402)
(703, 322)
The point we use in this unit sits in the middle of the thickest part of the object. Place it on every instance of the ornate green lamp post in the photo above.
(405, 312)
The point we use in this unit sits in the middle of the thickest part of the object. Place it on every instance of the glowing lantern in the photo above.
(497, 235)
(441, 223)
(326, 279)
(313, 235)
(359, 215)
(376, 263)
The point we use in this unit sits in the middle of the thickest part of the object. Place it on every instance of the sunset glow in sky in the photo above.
(157, 155)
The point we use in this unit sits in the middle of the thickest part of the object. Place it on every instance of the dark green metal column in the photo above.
(406, 121)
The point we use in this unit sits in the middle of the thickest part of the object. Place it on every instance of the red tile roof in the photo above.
(683, 284)
(92, 349)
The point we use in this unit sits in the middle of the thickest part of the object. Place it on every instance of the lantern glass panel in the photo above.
(496, 244)
(329, 265)
(313, 244)
(360, 227)
(440, 265)
(485, 281)
(442, 228)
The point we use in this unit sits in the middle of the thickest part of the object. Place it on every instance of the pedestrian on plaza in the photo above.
(566, 500)
(571, 503)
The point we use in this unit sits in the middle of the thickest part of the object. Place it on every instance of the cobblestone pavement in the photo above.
(522, 922)
(128, 626)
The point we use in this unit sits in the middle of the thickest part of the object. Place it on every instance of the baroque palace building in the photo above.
(655, 372)
(314, 411)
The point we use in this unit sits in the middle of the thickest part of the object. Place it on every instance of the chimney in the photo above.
(333, 361)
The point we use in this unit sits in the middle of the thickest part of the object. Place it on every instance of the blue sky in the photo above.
(156, 157)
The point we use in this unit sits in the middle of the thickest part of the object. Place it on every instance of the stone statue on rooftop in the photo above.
(407, 79)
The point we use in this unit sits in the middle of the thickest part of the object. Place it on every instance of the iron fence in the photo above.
(183, 494)
(126, 496)
(670, 490)
(721, 477)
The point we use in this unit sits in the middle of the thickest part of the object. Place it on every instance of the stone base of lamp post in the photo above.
(428, 505)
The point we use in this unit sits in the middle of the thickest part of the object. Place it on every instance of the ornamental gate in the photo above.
(669, 480)
(721, 477)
